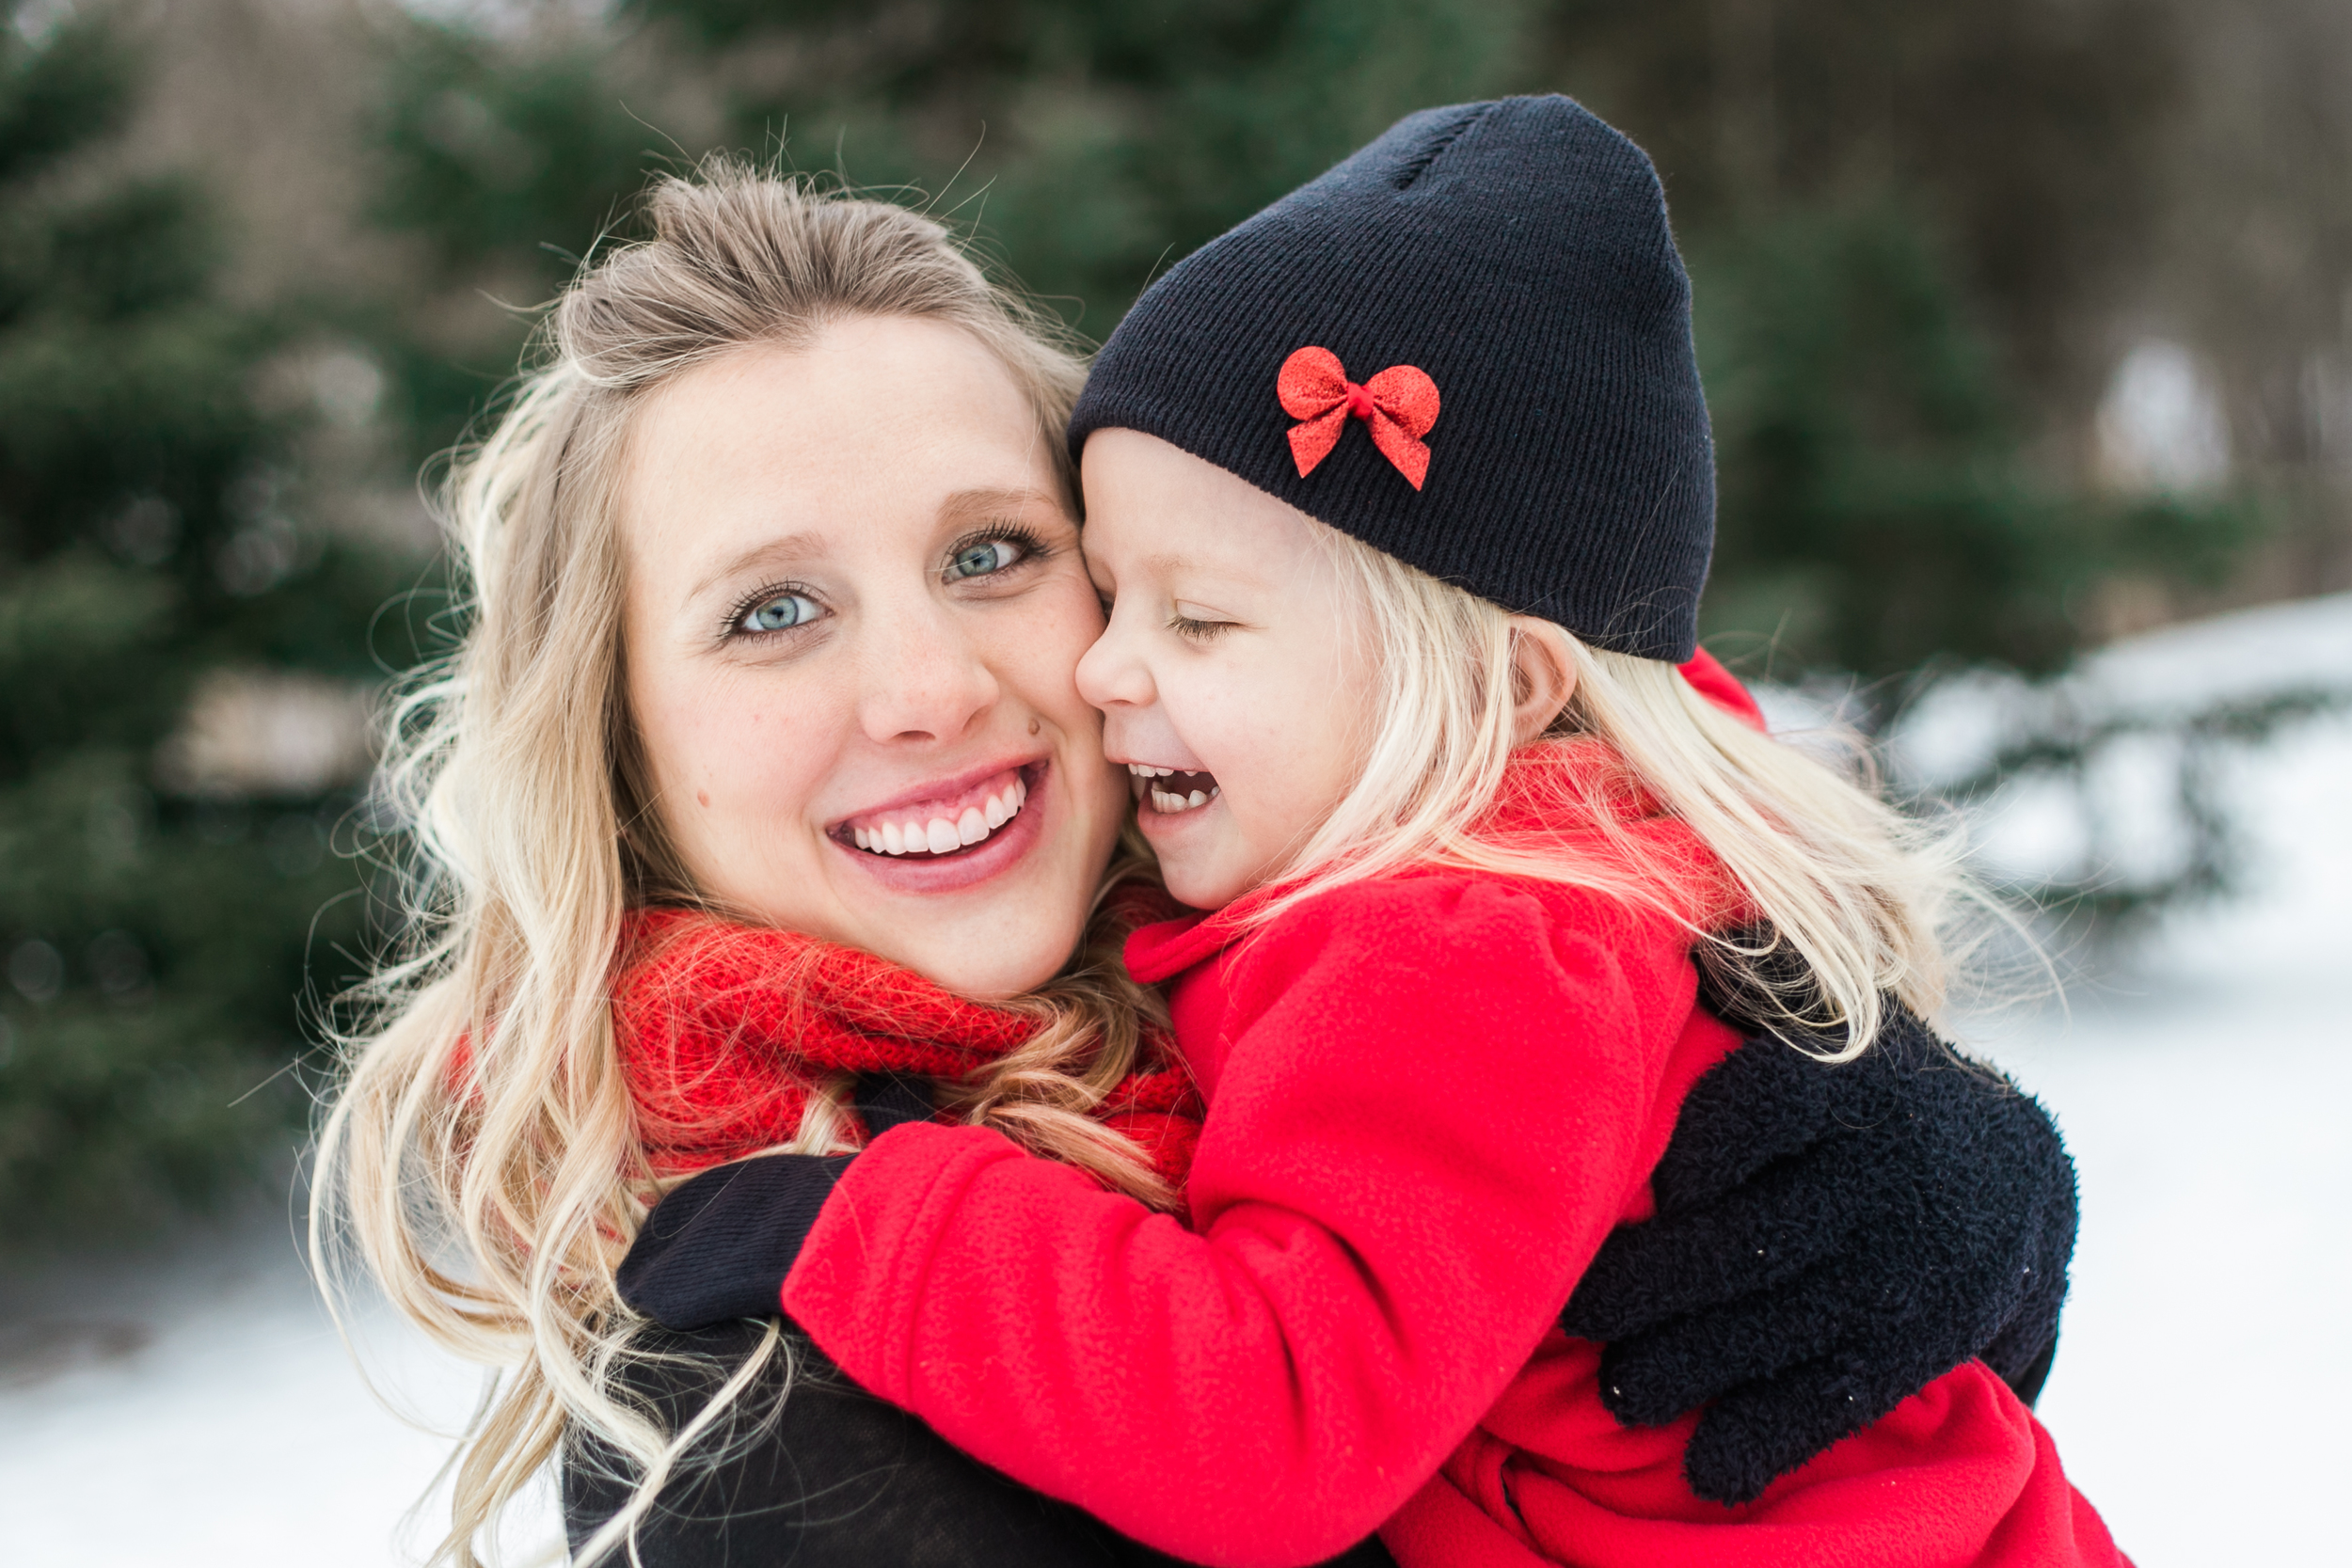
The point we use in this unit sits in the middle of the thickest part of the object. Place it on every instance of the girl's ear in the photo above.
(1542, 676)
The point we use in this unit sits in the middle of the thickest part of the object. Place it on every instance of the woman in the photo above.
(776, 577)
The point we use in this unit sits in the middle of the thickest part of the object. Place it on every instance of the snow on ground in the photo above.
(240, 1431)
(198, 1408)
(2202, 1364)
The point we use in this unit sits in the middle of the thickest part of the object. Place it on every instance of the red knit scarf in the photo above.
(723, 1030)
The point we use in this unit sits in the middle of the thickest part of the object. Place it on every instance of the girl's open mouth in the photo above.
(1170, 790)
(929, 830)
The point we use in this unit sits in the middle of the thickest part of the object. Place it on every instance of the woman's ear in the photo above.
(1542, 676)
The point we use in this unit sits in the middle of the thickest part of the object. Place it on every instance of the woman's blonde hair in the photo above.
(480, 1158)
(1848, 902)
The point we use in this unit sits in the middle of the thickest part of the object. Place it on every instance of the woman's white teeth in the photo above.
(1145, 770)
(939, 835)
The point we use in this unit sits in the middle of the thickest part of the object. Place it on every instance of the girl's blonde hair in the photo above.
(480, 1157)
(1848, 900)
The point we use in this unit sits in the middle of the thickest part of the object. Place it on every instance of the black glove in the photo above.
(719, 1246)
(1829, 1240)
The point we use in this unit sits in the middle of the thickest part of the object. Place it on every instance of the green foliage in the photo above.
(522, 160)
(1098, 140)
(1878, 513)
(152, 948)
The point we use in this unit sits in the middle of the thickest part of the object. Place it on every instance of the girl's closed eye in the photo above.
(1197, 622)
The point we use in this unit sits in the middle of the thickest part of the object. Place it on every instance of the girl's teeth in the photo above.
(996, 816)
(940, 836)
(1169, 802)
(893, 841)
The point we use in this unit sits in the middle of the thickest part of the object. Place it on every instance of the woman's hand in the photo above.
(1829, 1240)
(718, 1247)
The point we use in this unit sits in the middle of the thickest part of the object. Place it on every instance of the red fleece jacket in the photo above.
(1430, 1097)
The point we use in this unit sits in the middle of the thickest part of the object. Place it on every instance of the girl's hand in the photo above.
(1829, 1240)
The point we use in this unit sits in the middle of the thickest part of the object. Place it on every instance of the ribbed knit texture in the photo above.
(1517, 252)
(725, 1029)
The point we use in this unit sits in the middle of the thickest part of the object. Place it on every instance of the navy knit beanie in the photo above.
(1502, 393)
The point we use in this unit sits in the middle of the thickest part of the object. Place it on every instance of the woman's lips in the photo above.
(927, 871)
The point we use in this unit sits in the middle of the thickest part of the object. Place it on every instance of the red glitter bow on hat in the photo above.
(1398, 406)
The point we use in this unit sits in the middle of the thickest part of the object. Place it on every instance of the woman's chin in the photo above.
(990, 960)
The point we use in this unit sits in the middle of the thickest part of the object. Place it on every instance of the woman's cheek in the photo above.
(735, 765)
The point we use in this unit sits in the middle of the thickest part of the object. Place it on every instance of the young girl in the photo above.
(1392, 662)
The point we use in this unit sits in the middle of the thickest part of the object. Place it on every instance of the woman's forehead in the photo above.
(878, 427)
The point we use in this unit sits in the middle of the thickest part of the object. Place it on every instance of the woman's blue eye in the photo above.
(978, 561)
(780, 613)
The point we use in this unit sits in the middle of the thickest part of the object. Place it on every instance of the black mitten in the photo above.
(1829, 1240)
(719, 1246)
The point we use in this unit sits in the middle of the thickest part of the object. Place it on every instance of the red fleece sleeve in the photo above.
(1430, 1114)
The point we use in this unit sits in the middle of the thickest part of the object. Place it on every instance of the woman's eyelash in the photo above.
(1023, 538)
(759, 598)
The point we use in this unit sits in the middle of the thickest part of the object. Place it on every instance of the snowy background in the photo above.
(195, 1406)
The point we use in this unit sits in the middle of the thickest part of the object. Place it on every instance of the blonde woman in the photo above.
(761, 774)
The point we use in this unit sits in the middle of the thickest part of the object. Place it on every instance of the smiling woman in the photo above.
(776, 562)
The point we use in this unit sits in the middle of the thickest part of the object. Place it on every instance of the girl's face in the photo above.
(1232, 677)
(852, 604)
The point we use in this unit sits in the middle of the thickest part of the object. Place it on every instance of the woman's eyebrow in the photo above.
(792, 546)
(996, 502)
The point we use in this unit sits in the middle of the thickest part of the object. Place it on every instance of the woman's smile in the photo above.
(944, 837)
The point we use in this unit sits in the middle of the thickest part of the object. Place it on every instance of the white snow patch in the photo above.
(241, 1434)
(2160, 424)
(2202, 1362)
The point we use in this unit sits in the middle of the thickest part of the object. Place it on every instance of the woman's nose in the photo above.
(924, 680)
(1110, 675)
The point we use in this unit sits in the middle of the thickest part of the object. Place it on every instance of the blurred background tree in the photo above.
(2024, 325)
(163, 864)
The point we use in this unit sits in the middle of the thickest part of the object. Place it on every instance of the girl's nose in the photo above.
(1110, 675)
(923, 680)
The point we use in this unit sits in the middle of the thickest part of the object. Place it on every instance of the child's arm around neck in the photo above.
(1436, 1095)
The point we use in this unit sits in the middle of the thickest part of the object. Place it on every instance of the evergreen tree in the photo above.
(1878, 514)
(154, 944)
